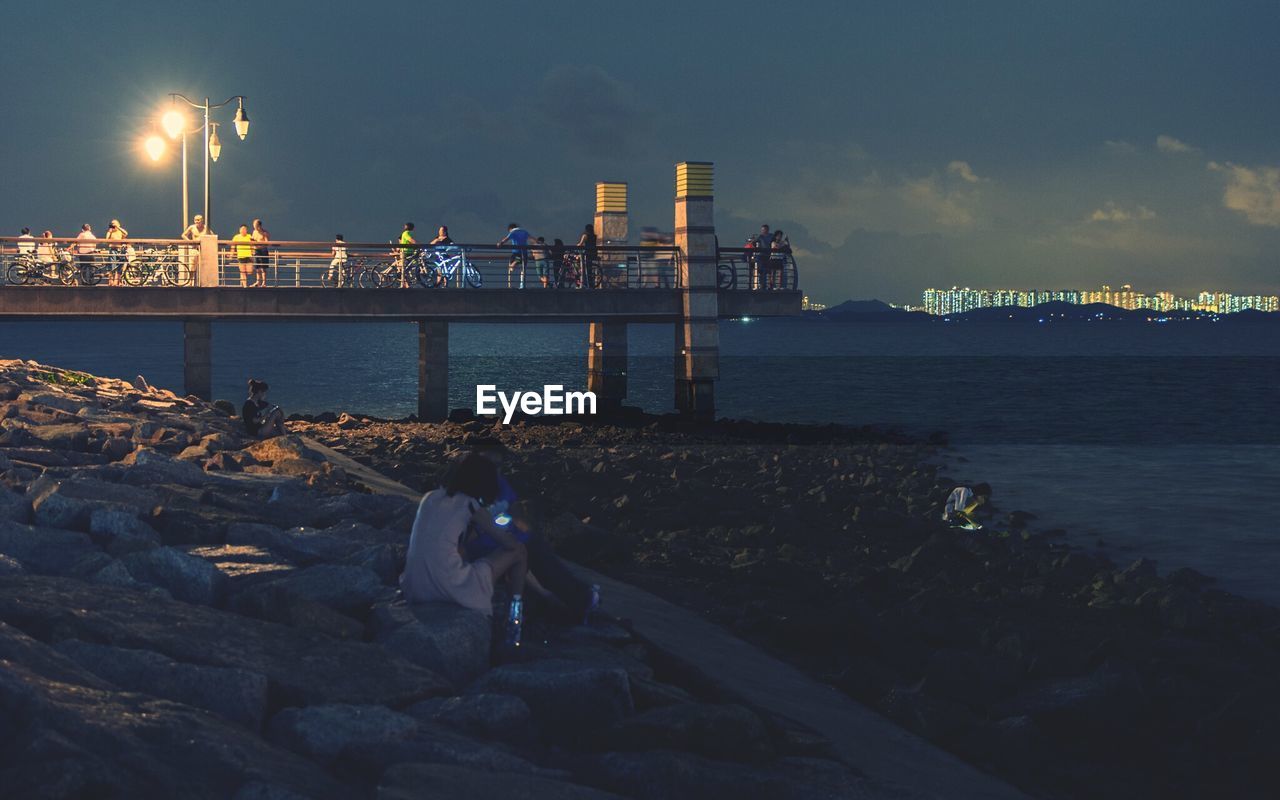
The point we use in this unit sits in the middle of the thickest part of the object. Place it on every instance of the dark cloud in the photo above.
(595, 111)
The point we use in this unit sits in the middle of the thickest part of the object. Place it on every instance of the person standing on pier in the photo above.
(84, 248)
(193, 232)
(761, 248)
(588, 243)
(116, 232)
(245, 257)
(260, 253)
(407, 244)
(519, 238)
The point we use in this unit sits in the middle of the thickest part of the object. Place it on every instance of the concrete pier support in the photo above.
(197, 358)
(607, 363)
(433, 370)
(697, 340)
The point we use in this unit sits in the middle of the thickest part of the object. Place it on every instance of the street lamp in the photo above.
(174, 123)
(154, 146)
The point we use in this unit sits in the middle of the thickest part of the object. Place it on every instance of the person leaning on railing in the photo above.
(117, 233)
(192, 233)
(260, 253)
(778, 252)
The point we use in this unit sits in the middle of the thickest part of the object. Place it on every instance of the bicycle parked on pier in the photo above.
(352, 273)
(28, 269)
(157, 266)
(443, 264)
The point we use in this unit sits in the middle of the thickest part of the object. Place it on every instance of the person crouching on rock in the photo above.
(261, 419)
(436, 569)
(962, 506)
(548, 575)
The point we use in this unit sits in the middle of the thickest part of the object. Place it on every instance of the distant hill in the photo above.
(1057, 311)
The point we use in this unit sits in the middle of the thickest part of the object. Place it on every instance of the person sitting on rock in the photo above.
(261, 419)
(548, 575)
(436, 568)
(961, 509)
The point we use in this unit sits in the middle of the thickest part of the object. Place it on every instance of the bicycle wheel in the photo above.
(726, 276)
(332, 277)
(367, 278)
(175, 273)
(69, 274)
(18, 274)
(134, 273)
(426, 275)
(472, 276)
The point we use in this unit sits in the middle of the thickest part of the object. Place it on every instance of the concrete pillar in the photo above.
(433, 370)
(207, 261)
(611, 222)
(607, 363)
(697, 341)
(197, 358)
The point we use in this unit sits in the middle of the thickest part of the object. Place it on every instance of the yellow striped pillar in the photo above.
(697, 340)
(607, 340)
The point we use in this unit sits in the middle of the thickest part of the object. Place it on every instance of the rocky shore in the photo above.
(188, 613)
(1065, 673)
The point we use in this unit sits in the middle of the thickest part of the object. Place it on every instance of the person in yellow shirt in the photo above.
(243, 245)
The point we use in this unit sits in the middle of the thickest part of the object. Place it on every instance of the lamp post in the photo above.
(175, 125)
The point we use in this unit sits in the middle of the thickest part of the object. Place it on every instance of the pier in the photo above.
(690, 283)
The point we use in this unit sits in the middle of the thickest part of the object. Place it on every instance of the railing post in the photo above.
(433, 370)
(197, 358)
(607, 363)
(697, 340)
(208, 271)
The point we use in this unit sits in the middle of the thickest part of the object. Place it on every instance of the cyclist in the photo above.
(116, 232)
(407, 243)
(244, 255)
(519, 238)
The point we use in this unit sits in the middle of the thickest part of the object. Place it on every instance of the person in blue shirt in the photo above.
(518, 237)
(548, 575)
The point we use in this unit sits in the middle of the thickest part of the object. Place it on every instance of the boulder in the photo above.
(121, 532)
(150, 466)
(234, 694)
(275, 603)
(14, 507)
(666, 775)
(302, 668)
(339, 586)
(69, 502)
(486, 716)
(434, 744)
(413, 781)
(78, 736)
(303, 545)
(184, 576)
(443, 637)
(729, 732)
(324, 731)
(568, 699)
(45, 551)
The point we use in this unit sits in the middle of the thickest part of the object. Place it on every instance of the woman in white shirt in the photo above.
(435, 569)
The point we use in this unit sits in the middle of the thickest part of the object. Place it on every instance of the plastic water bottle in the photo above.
(515, 621)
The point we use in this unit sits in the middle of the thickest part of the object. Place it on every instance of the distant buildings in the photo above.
(807, 305)
(955, 300)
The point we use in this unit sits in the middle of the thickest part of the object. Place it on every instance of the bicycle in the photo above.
(726, 276)
(351, 272)
(157, 267)
(29, 269)
(443, 263)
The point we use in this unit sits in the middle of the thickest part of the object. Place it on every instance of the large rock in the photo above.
(715, 731)
(303, 545)
(235, 694)
(413, 781)
(46, 551)
(434, 744)
(70, 734)
(275, 603)
(569, 700)
(301, 668)
(69, 502)
(487, 716)
(184, 576)
(14, 507)
(664, 775)
(121, 532)
(443, 637)
(343, 587)
(325, 731)
(150, 466)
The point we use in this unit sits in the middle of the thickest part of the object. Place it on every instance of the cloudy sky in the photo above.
(901, 145)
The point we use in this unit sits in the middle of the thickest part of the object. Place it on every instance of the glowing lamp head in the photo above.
(215, 144)
(154, 146)
(174, 123)
(242, 121)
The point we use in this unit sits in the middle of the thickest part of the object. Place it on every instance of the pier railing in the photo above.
(746, 269)
(363, 265)
(65, 261)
